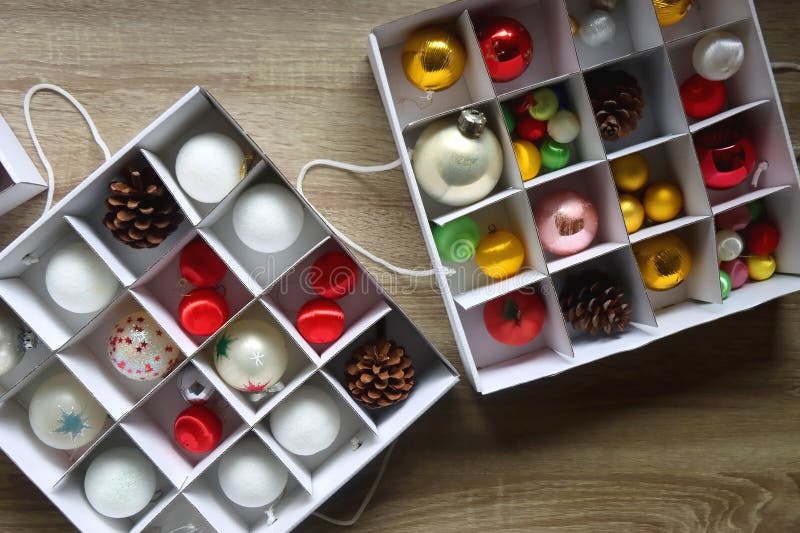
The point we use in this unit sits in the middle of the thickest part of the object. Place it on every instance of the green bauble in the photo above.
(756, 208)
(554, 154)
(725, 284)
(545, 106)
(456, 241)
(508, 117)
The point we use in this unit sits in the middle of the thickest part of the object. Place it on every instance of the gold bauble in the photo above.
(528, 158)
(663, 201)
(631, 172)
(632, 212)
(761, 267)
(664, 261)
(500, 254)
(671, 12)
(433, 59)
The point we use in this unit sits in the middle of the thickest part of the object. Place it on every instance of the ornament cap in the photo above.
(471, 123)
(28, 340)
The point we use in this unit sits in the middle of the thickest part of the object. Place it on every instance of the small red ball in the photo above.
(333, 275)
(702, 98)
(521, 105)
(198, 429)
(506, 46)
(203, 311)
(763, 238)
(200, 266)
(530, 129)
(320, 321)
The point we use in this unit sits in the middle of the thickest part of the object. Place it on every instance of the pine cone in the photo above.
(141, 212)
(591, 302)
(617, 101)
(379, 374)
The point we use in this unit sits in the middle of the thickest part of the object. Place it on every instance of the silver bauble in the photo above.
(718, 56)
(597, 28)
(15, 340)
(194, 386)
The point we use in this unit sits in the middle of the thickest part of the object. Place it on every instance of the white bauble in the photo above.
(564, 127)
(306, 422)
(251, 355)
(77, 280)
(250, 475)
(718, 56)
(268, 218)
(209, 166)
(63, 415)
(597, 28)
(120, 482)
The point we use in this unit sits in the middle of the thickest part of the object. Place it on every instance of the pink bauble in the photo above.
(735, 220)
(737, 270)
(567, 222)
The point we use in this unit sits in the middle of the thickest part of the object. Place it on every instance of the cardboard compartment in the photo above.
(706, 15)
(30, 361)
(19, 178)
(178, 515)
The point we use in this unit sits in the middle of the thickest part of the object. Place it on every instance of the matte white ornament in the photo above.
(251, 355)
(120, 482)
(77, 280)
(209, 166)
(268, 218)
(597, 28)
(564, 127)
(306, 422)
(63, 415)
(718, 56)
(250, 475)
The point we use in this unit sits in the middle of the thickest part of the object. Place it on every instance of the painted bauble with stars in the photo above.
(251, 355)
(140, 349)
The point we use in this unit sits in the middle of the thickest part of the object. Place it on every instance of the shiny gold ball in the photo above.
(664, 261)
(663, 201)
(761, 267)
(671, 12)
(631, 172)
(433, 59)
(500, 254)
(632, 212)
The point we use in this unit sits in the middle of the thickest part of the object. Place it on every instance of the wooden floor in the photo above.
(699, 432)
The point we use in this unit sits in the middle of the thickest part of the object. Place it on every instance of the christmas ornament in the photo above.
(268, 218)
(632, 212)
(500, 254)
(194, 387)
(663, 201)
(608, 5)
(725, 284)
(736, 219)
(567, 222)
(718, 55)
(631, 172)
(761, 267)
(554, 154)
(729, 245)
(763, 238)
(140, 211)
(664, 261)
(15, 340)
(200, 266)
(250, 476)
(757, 211)
(528, 158)
(508, 118)
(306, 422)
(251, 356)
(617, 101)
(521, 105)
(209, 166)
(564, 127)
(671, 12)
(726, 155)
(737, 270)
(516, 318)
(702, 98)
(574, 27)
(457, 240)
(433, 59)
(333, 275)
(120, 482)
(320, 321)
(139, 349)
(63, 415)
(592, 302)
(506, 46)
(597, 28)
(545, 104)
(379, 374)
(458, 164)
(203, 311)
(530, 129)
(198, 429)
(77, 280)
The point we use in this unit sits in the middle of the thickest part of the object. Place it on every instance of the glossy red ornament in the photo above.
(702, 98)
(506, 46)
(198, 429)
(530, 129)
(320, 321)
(200, 266)
(727, 156)
(516, 318)
(763, 238)
(521, 105)
(203, 311)
(333, 275)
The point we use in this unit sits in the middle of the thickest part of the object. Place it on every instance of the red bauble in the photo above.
(516, 318)
(702, 98)
(200, 266)
(333, 275)
(763, 238)
(203, 311)
(320, 321)
(521, 105)
(198, 429)
(727, 156)
(506, 46)
(530, 129)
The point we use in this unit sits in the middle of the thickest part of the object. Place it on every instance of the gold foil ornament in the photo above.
(632, 212)
(500, 254)
(433, 59)
(671, 12)
(664, 261)
(631, 172)
(663, 201)
(761, 267)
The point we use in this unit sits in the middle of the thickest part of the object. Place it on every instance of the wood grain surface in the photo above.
(700, 432)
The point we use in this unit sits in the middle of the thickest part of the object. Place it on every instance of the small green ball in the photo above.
(508, 117)
(757, 211)
(554, 154)
(457, 241)
(725, 284)
(546, 104)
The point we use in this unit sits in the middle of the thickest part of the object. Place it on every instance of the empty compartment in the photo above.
(178, 514)
(25, 352)
(706, 14)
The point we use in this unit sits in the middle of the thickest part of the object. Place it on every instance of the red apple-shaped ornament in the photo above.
(515, 318)
(702, 98)
(727, 156)
(506, 46)
(763, 238)
(320, 321)
(203, 311)
(531, 129)
(200, 266)
(198, 429)
(333, 275)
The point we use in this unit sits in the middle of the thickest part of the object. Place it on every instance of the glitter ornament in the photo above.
(200, 266)
(268, 218)
(564, 127)
(320, 321)
(457, 240)
(631, 172)
(718, 55)
(333, 275)
(729, 245)
(761, 267)
(671, 12)
(209, 166)
(500, 254)
(663, 201)
(140, 349)
(737, 270)
(15, 340)
(120, 482)
(528, 158)
(567, 222)
(433, 59)
(250, 476)
(506, 46)
(597, 28)
(763, 238)
(632, 212)
(725, 284)
(702, 98)
(664, 261)
(251, 356)
(306, 422)
(77, 280)
(545, 104)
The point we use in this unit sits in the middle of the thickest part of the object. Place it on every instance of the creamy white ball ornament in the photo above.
(730, 245)
(268, 218)
(250, 476)
(718, 55)
(564, 127)
(120, 482)
(209, 166)
(306, 422)
(77, 280)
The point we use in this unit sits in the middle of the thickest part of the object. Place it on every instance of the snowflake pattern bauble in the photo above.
(140, 349)
(251, 355)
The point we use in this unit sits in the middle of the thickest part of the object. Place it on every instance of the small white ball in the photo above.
(718, 56)
(209, 166)
(120, 482)
(268, 218)
(730, 245)
(306, 422)
(77, 280)
(564, 127)
(249, 474)
(597, 28)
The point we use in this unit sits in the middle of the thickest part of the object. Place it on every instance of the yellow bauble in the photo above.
(500, 254)
(433, 59)
(630, 172)
(761, 267)
(632, 212)
(664, 261)
(663, 201)
(528, 158)
(671, 12)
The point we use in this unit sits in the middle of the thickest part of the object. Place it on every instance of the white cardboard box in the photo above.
(660, 58)
(19, 178)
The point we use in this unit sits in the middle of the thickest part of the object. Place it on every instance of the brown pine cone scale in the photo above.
(379, 374)
(591, 302)
(617, 102)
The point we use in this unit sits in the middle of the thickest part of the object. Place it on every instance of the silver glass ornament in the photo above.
(597, 28)
(15, 340)
(194, 386)
(718, 56)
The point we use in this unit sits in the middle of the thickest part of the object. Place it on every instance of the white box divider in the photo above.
(19, 178)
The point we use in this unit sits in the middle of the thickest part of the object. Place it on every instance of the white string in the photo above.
(785, 65)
